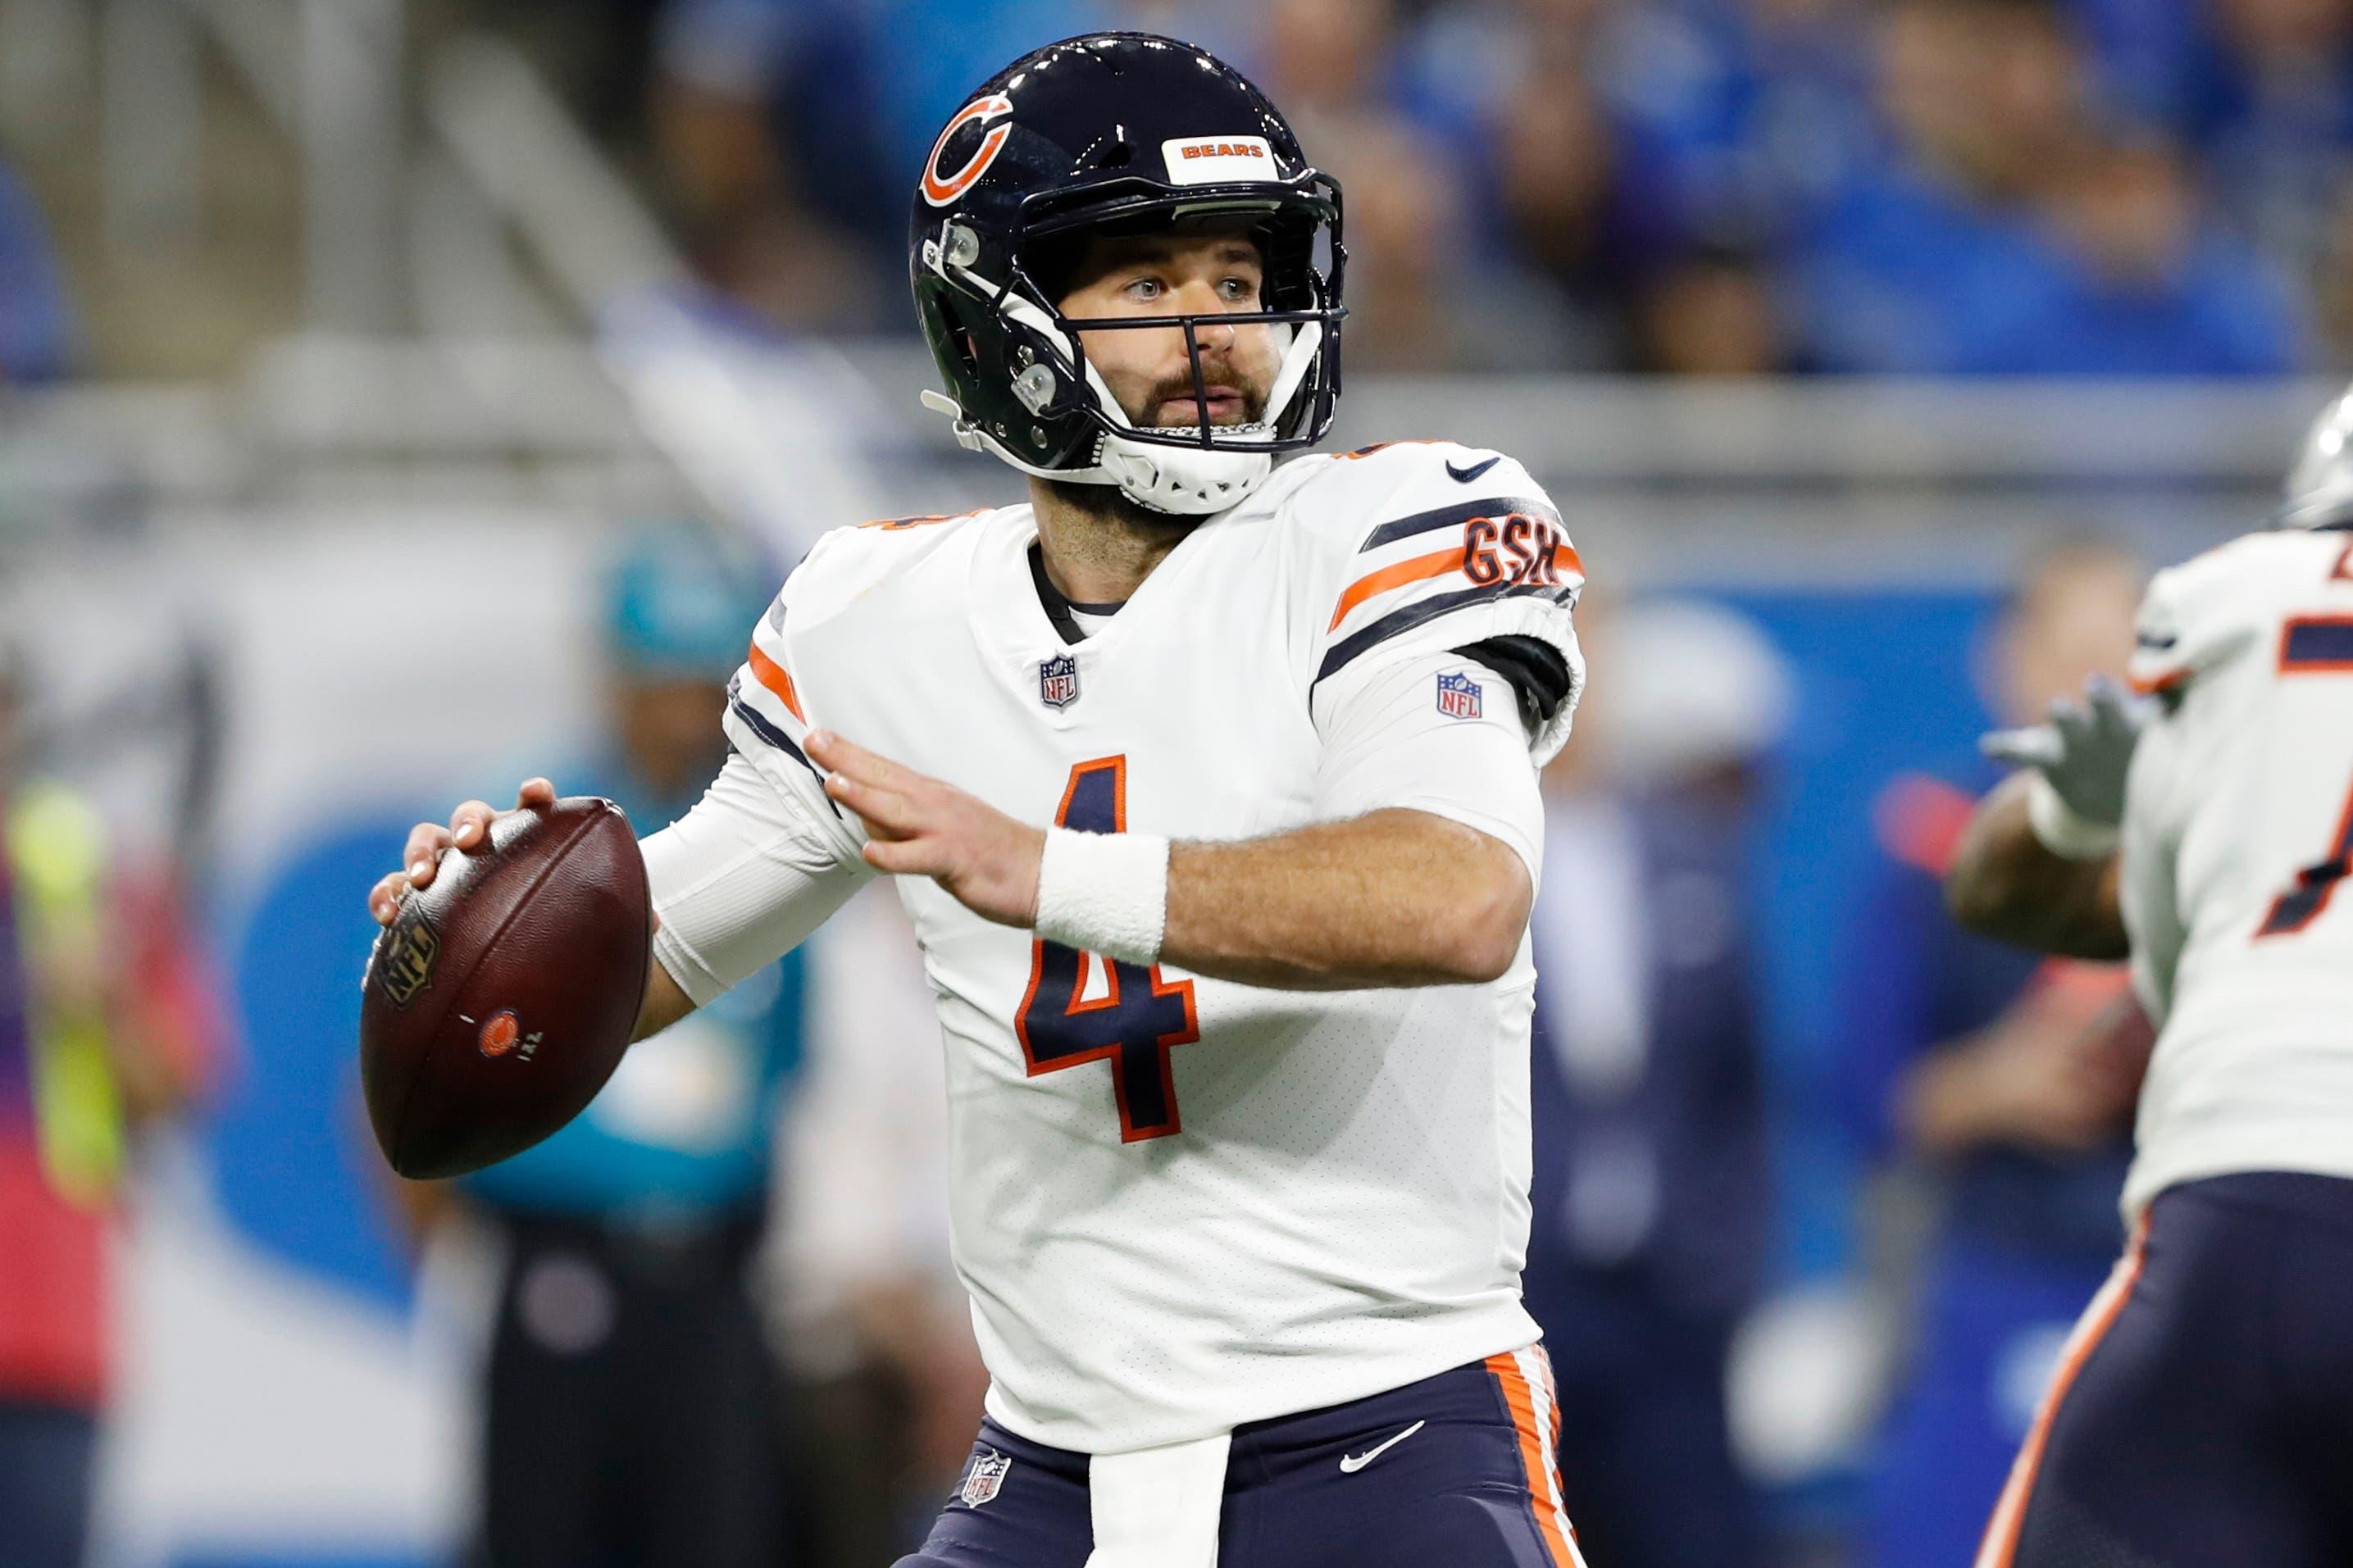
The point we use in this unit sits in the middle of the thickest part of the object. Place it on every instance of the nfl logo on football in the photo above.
(1458, 696)
(986, 1475)
(1058, 681)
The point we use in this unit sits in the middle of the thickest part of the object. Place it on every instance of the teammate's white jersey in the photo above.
(2238, 822)
(1181, 1203)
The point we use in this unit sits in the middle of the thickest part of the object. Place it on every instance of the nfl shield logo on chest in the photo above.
(986, 1475)
(1058, 681)
(1459, 696)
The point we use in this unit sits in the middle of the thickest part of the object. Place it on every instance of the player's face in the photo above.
(1207, 274)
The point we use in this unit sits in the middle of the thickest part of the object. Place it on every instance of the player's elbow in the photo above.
(1479, 939)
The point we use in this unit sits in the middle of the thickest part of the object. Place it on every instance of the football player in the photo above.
(1209, 786)
(2202, 1412)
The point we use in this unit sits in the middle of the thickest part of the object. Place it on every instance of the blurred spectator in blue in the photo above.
(1563, 203)
(2263, 92)
(2003, 1078)
(1650, 1216)
(2004, 233)
(2136, 283)
(1903, 272)
(1759, 109)
(35, 320)
(632, 1406)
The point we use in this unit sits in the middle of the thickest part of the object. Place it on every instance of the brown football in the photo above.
(501, 999)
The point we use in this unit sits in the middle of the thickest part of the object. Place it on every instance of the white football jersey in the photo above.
(2238, 825)
(1180, 1203)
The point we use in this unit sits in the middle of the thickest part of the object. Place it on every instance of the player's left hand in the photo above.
(2084, 749)
(922, 827)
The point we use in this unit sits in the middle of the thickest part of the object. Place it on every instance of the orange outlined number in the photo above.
(1137, 1019)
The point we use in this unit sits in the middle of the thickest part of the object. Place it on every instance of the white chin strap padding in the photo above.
(1187, 480)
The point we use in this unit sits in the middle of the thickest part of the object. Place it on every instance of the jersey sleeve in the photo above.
(2199, 615)
(767, 717)
(1435, 548)
(1436, 732)
(766, 855)
(775, 696)
(744, 879)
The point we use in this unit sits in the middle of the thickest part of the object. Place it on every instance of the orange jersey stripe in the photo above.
(2000, 1545)
(772, 675)
(1506, 1369)
(1385, 446)
(897, 524)
(1437, 563)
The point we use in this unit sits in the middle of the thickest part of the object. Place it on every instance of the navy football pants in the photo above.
(1473, 1486)
(2203, 1413)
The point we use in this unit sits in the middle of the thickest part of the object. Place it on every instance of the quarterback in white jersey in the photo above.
(2204, 1412)
(1209, 787)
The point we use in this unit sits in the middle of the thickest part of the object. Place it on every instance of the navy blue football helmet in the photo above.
(1118, 134)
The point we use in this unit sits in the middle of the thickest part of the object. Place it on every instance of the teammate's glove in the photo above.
(2080, 756)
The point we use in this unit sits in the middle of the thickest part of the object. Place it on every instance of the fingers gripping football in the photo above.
(918, 827)
(427, 841)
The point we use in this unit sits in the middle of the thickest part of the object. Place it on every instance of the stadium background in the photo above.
(341, 337)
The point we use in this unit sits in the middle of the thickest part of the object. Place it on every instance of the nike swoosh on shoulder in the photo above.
(1351, 1463)
(1474, 470)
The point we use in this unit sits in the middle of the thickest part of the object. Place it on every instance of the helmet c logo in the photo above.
(941, 192)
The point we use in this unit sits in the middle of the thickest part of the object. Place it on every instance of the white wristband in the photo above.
(2062, 830)
(1105, 892)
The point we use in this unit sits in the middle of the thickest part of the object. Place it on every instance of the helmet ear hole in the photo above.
(962, 336)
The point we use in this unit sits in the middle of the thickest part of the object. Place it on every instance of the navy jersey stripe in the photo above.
(2317, 642)
(770, 733)
(1455, 516)
(1424, 611)
(776, 738)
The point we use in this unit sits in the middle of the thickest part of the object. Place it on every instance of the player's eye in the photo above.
(1146, 289)
(1237, 288)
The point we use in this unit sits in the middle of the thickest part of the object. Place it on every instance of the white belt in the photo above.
(1157, 1507)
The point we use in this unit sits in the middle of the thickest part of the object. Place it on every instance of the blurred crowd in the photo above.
(2135, 188)
(2131, 187)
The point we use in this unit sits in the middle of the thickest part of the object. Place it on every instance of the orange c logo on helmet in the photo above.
(939, 192)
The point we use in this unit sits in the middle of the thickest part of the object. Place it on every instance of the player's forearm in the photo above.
(1394, 898)
(2004, 884)
(665, 1002)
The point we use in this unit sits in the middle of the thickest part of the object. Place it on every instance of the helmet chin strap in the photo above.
(1184, 481)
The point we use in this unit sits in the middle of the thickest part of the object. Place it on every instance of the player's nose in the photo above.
(1198, 298)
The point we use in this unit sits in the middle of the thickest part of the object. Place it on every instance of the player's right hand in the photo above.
(427, 841)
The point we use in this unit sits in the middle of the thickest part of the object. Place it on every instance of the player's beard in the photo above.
(1111, 503)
